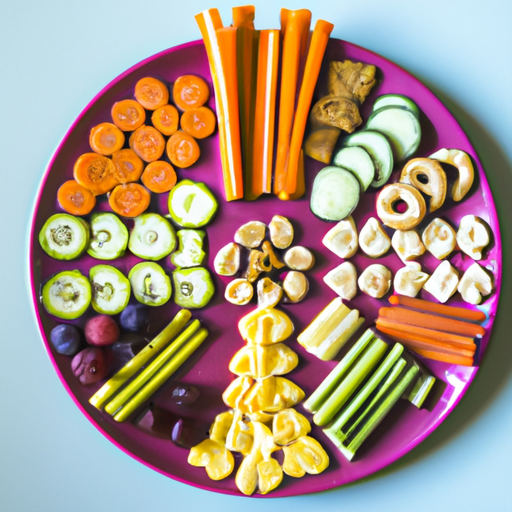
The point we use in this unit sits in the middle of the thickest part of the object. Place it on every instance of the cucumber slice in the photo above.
(190, 252)
(67, 295)
(152, 237)
(110, 289)
(335, 193)
(359, 162)
(109, 237)
(379, 148)
(396, 100)
(150, 284)
(193, 287)
(64, 237)
(400, 126)
(191, 204)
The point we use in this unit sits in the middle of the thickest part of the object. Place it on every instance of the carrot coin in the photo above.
(128, 165)
(165, 119)
(182, 149)
(151, 93)
(129, 199)
(105, 138)
(128, 115)
(95, 173)
(75, 199)
(148, 143)
(190, 91)
(159, 176)
(198, 122)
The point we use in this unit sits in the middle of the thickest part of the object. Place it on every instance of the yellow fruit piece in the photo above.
(240, 436)
(288, 425)
(233, 395)
(272, 394)
(265, 326)
(220, 426)
(251, 234)
(227, 260)
(299, 258)
(281, 232)
(269, 293)
(270, 475)
(306, 455)
(215, 458)
(296, 286)
(239, 292)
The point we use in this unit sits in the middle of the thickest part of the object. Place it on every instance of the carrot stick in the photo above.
(434, 307)
(301, 179)
(264, 112)
(294, 25)
(315, 56)
(223, 70)
(445, 358)
(411, 317)
(243, 16)
(424, 332)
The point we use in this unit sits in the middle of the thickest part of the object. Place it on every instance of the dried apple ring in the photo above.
(389, 203)
(428, 176)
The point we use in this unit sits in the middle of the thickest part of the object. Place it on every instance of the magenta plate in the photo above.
(208, 370)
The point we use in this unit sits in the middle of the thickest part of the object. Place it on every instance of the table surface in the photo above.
(55, 56)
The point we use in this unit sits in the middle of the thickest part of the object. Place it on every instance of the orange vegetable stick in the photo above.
(434, 307)
(264, 113)
(294, 25)
(301, 179)
(424, 332)
(445, 358)
(75, 199)
(316, 53)
(411, 317)
(223, 70)
(243, 16)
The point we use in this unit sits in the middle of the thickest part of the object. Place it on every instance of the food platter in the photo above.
(208, 368)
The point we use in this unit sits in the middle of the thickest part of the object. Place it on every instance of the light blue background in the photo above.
(55, 55)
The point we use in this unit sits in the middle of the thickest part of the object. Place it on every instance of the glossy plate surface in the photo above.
(208, 370)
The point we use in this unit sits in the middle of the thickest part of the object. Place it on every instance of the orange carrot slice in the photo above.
(166, 119)
(441, 309)
(190, 91)
(128, 115)
(411, 317)
(295, 26)
(182, 150)
(148, 143)
(220, 46)
(159, 176)
(128, 165)
(95, 173)
(243, 16)
(129, 199)
(264, 113)
(316, 52)
(301, 180)
(198, 122)
(151, 93)
(445, 358)
(106, 138)
(75, 199)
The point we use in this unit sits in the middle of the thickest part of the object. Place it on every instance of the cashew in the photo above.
(473, 236)
(474, 284)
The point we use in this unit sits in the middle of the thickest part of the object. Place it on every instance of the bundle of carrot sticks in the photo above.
(246, 66)
(434, 331)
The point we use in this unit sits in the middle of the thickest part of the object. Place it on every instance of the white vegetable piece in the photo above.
(342, 239)
(409, 280)
(473, 236)
(375, 280)
(407, 245)
(442, 284)
(227, 260)
(474, 284)
(439, 238)
(343, 280)
(373, 240)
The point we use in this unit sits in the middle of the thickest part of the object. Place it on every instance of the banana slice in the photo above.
(407, 245)
(373, 240)
(342, 239)
(409, 280)
(474, 284)
(439, 238)
(343, 280)
(375, 280)
(473, 236)
(442, 284)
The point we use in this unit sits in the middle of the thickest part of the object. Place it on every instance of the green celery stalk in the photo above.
(346, 388)
(313, 403)
(421, 389)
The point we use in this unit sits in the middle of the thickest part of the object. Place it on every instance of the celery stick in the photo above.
(349, 384)
(369, 387)
(335, 341)
(313, 403)
(421, 389)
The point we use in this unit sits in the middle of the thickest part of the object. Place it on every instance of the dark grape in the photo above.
(184, 394)
(188, 432)
(66, 339)
(101, 330)
(134, 317)
(157, 421)
(91, 364)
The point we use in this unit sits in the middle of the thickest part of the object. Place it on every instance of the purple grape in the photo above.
(157, 421)
(184, 394)
(188, 432)
(91, 365)
(101, 330)
(134, 317)
(66, 339)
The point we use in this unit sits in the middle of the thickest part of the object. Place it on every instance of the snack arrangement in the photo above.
(262, 282)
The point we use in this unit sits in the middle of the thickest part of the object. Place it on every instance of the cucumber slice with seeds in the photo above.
(152, 237)
(193, 287)
(358, 161)
(150, 284)
(109, 237)
(110, 289)
(64, 236)
(67, 295)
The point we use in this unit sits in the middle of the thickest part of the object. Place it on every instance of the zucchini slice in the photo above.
(379, 148)
(64, 236)
(359, 162)
(152, 237)
(400, 126)
(396, 100)
(110, 289)
(335, 193)
(150, 284)
(67, 295)
(109, 236)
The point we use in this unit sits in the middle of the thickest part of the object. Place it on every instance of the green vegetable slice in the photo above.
(110, 289)
(64, 236)
(193, 287)
(396, 100)
(192, 204)
(190, 249)
(67, 295)
(152, 237)
(109, 236)
(150, 284)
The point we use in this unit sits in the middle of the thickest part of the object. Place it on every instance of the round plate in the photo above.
(208, 370)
